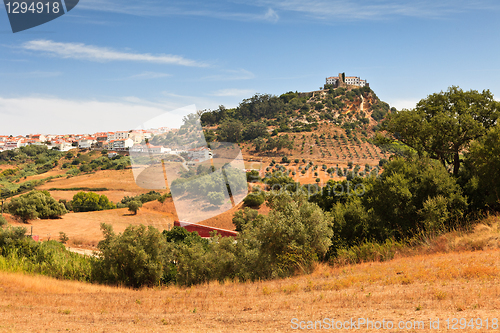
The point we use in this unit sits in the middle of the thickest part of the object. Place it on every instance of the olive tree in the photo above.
(36, 204)
(444, 124)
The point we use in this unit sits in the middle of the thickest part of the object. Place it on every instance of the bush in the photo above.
(85, 168)
(382, 162)
(414, 195)
(21, 253)
(253, 176)
(164, 197)
(36, 204)
(215, 198)
(254, 199)
(481, 171)
(67, 204)
(135, 258)
(90, 201)
(143, 198)
(63, 238)
(134, 206)
(3, 221)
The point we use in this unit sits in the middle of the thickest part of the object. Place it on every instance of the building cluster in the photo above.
(134, 141)
(344, 81)
(119, 141)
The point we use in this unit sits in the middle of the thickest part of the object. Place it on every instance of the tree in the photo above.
(413, 195)
(444, 124)
(230, 131)
(36, 204)
(3, 221)
(135, 258)
(215, 198)
(483, 161)
(134, 206)
(254, 199)
(90, 201)
(255, 130)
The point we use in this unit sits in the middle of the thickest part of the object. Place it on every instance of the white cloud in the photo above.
(103, 54)
(148, 75)
(376, 9)
(34, 74)
(60, 116)
(160, 8)
(229, 75)
(233, 92)
(404, 103)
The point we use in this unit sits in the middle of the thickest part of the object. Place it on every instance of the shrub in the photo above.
(215, 198)
(134, 206)
(143, 198)
(67, 204)
(253, 176)
(135, 258)
(90, 201)
(254, 199)
(36, 204)
(413, 195)
(164, 197)
(3, 221)
(21, 253)
(85, 168)
(63, 238)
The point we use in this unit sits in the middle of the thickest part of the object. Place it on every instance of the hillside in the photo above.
(331, 127)
(314, 137)
(439, 284)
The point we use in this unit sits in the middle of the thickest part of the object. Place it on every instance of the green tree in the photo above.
(413, 195)
(444, 124)
(483, 161)
(294, 234)
(36, 204)
(230, 131)
(135, 258)
(3, 221)
(255, 130)
(134, 206)
(90, 201)
(254, 199)
(215, 198)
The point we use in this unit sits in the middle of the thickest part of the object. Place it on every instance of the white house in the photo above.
(148, 148)
(62, 145)
(123, 144)
(86, 143)
(13, 143)
(200, 154)
(120, 135)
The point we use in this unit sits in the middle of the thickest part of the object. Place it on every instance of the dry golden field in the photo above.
(419, 288)
(442, 279)
(83, 229)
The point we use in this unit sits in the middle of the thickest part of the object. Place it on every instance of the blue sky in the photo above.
(113, 64)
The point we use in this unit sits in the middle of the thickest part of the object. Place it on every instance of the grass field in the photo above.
(442, 278)
(452, 285)
(83, 229)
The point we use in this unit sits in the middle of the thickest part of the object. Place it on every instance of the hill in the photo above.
(314, 137)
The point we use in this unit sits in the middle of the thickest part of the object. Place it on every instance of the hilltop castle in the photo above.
(344, 81)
